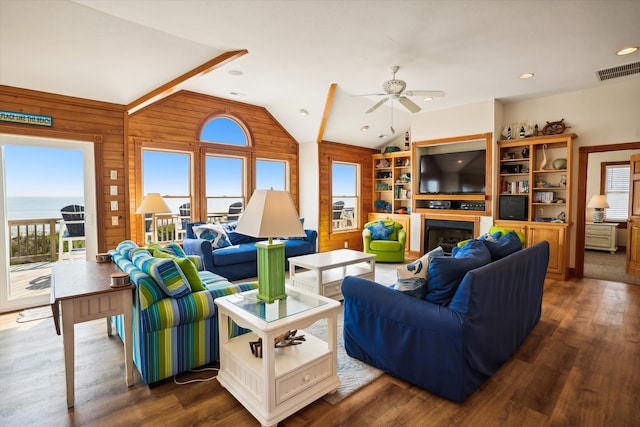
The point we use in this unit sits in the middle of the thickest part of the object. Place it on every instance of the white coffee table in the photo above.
(322, 273)
(285, 379)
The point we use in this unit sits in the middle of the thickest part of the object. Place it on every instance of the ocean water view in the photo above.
(38, 207)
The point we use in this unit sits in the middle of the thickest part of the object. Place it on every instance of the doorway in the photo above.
(585, 173)
(40, 176)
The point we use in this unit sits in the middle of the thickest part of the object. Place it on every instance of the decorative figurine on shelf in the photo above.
(509, 132)
(536, 132)
(555, 128)
(563, 180)
(543, 163)
(407, 145)
(383, 163)
(525, 153)
(521, 131)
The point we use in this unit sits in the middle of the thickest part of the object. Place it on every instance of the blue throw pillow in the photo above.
(214, 233)
(446, 273)
(412, 278)
(380, 231)
(505, 245)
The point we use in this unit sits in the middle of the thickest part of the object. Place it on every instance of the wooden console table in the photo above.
(82, 291)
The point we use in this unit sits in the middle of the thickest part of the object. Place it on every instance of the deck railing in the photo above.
(33, 240)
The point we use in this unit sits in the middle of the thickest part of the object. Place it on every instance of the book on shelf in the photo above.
(515, 187)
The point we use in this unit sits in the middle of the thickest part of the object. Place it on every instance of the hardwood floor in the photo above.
(579, 367)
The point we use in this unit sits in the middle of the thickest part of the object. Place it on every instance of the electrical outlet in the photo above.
(114, 174)
(113, 190)
(114, 205)
(346, 244)
(114, 220)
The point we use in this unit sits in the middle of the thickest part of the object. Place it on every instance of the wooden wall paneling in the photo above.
(76, 119)
(332, 151)
(175, 123)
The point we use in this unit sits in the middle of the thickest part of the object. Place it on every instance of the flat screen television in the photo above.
(461, 172)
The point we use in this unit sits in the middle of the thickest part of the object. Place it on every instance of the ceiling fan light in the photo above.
(304, 112)
(364, 128)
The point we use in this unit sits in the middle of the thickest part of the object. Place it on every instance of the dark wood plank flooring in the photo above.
(579, 367)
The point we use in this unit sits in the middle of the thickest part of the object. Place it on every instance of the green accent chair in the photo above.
(391, 250)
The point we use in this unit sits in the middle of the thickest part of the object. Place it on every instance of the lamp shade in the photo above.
(270, 213)
(598, 202)
(153, 203)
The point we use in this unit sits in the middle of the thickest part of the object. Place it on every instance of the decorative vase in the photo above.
(544, 157)
(559, 164)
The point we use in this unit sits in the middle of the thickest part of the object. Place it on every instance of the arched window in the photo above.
(224, 130)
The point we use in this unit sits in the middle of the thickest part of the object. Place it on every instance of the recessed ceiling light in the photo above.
(364, 128)
(525, 76)
(304, 112)
(237, 94)
(627, 50)
(429, 98)
(235, 72)
(383, 136)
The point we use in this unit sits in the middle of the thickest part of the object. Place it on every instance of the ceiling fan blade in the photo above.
(375, 107)
(371, 94)
(409, 104)
(432, 93)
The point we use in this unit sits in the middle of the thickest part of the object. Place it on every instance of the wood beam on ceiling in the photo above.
(327, 110)
(173, 86)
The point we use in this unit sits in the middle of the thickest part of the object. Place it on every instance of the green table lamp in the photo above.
(270, 213)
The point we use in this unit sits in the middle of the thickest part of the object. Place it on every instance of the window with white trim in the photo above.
(225, 186)
(271, 175)
(345, 196)
(616, 188)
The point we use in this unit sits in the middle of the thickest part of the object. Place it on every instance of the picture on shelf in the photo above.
(382, 186)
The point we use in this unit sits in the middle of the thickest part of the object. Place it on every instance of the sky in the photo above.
(38, 172)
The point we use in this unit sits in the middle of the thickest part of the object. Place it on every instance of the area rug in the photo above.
(605, 266)
(353, 373)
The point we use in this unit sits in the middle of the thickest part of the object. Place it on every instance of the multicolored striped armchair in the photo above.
(172, 335)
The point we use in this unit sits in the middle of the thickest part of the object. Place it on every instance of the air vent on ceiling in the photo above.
(619, 71)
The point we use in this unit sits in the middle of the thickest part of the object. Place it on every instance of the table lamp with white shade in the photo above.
(598, 203)
(153, 203)
(270, 213)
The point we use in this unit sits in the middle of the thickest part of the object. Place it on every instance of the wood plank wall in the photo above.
(332, 151)
(76, 119)
(175, 123)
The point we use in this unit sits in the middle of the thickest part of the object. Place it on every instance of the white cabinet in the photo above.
(601, 236)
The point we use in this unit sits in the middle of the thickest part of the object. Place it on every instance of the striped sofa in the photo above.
(172, 335)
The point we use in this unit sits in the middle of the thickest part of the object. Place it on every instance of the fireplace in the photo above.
(446, 233)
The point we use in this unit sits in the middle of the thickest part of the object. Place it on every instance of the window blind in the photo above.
(616, 188)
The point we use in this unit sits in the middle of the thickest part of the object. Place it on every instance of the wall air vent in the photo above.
(619, 71)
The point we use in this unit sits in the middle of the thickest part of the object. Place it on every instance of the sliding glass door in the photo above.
(40, 178)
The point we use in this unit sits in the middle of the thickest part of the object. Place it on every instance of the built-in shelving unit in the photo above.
(534, 187)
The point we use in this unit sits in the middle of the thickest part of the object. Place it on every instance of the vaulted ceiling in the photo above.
(472, 50)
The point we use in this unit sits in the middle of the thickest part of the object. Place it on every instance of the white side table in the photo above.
(601, 236)
(285, 379)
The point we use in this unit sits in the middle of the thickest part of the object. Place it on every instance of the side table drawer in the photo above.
(598, 241)
(303, 378)
(595, 230)
(332, 289)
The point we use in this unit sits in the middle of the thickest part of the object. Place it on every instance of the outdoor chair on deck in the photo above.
(235, 211)
(185, 214)
(337, 209)
(71, 229)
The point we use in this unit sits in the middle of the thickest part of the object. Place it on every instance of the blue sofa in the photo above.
(448, 349)
(239, 261)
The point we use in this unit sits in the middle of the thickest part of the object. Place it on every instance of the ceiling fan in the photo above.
(395, 89)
